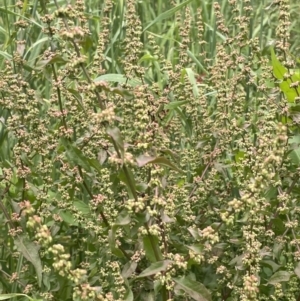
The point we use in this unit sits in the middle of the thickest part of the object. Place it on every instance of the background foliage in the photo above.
(149, 150)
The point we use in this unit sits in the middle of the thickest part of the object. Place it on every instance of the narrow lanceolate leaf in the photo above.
(118, 78)
(31, 252)
(148, 243)
(297, 270)
(10, 296)
(115, 134)
(144, 160)
(156, 267)
(76, 157)
(194, 289)
(167, 14)
(192, 79)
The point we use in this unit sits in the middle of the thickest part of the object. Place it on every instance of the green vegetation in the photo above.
(149, 150)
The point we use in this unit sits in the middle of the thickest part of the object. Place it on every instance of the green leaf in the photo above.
(167, 14)
(118, 78)
(155, 268)
(127, 181)
(192, 79)
(112, 242)
(76, 157)
(290, 93)
(197, 248)
(270, 263)
(95, 163)
(195, 233)
(122, 219)
(147, 57)
(128, 269)
(128, 295)
(147, 296)
(115, 134)
(9, 296)
(297, 270)
(147, 246)
(278, 69)
(30, 251)
(144, 160)
(57, 59)
(295, 139)
(31, 20)
(68, 218)
(82, 207)
(175, 104)
(194, 289)
(123, 92)
(280, 276)
(294, 156)
(194, 58)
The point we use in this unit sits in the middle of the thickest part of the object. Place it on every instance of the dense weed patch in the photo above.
(149, 150)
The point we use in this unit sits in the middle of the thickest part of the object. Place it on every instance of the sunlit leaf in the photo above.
(280, 276)
(9, 296)
(175, 104)
(118, 78)
(155, 268)
(144, 160)
(278, 69)
(194, 289)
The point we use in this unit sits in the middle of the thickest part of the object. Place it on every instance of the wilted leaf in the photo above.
(30, 251)
(155, 268)
(194, 289)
